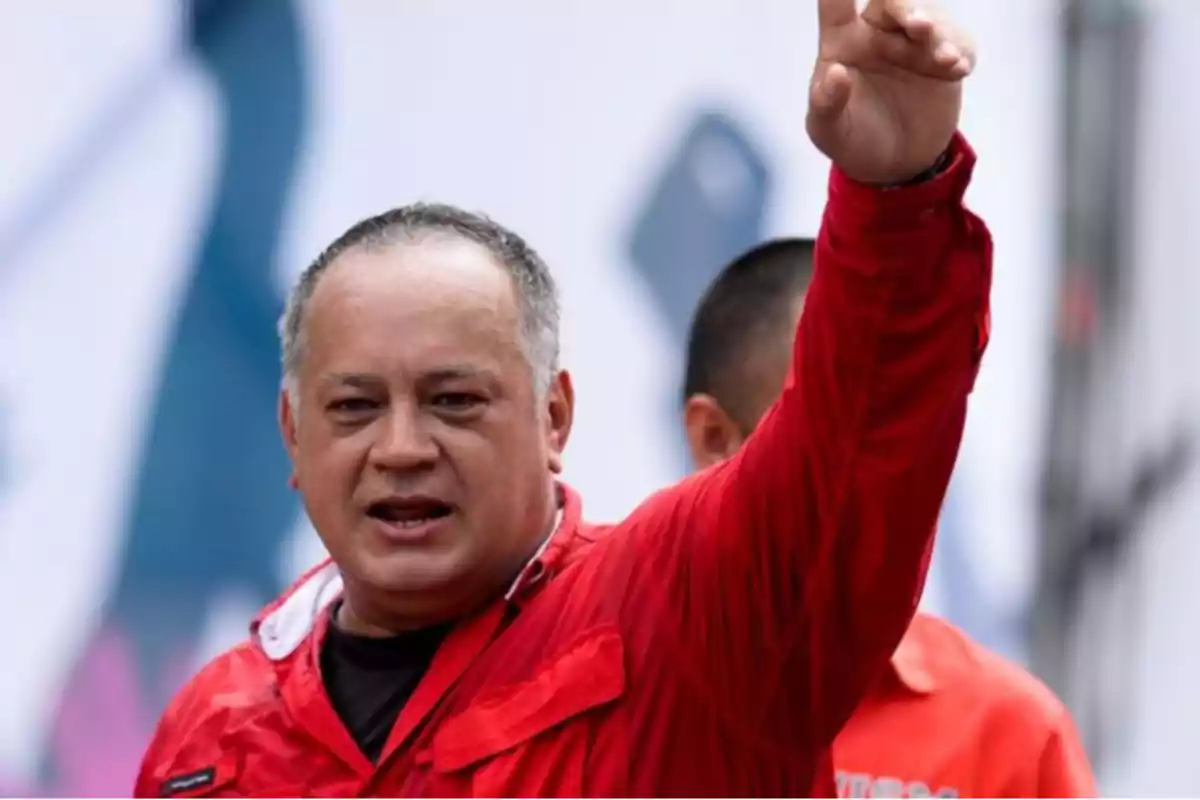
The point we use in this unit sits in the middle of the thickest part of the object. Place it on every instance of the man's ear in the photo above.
(560, 414)
(712, 436)
(287, 429)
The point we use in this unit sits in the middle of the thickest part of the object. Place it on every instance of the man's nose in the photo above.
(404, 442)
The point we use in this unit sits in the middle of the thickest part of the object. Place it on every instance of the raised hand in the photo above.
(886, 91)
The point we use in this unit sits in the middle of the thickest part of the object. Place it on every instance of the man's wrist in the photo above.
(938, 167)
(897, 206)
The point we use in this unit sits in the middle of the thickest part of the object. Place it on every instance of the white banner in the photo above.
(168, 180)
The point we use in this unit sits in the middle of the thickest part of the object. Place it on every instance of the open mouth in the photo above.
(408, 513)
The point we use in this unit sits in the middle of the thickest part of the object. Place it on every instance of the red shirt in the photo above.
(712, 643)
(953, 719)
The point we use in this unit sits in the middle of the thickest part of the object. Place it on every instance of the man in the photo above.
(948, 717)
(471, 636)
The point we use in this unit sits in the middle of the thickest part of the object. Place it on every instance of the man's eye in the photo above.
(352, 405)
(457, 401)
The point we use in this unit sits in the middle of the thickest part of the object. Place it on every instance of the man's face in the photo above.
(423, 453)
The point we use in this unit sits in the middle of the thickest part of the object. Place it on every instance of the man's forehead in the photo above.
(430, 280)
(431, 295)
(430, 266)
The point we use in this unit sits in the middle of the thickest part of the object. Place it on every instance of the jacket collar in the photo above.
(553, 554)
(281, 627)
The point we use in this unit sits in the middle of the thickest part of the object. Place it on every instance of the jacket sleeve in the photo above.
(1063, 766)
(184, 730)
(149, 781)
(146, 785)
(793, 569)
(167, 739)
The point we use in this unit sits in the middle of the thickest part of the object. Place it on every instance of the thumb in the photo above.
(829, 93)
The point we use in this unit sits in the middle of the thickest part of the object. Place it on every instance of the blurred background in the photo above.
(168, 168)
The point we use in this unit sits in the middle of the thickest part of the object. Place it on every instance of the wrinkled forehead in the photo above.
(407, 303)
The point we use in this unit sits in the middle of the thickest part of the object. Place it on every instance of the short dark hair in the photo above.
(752, 298)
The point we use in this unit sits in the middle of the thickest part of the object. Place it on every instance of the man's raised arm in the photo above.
(793, 568)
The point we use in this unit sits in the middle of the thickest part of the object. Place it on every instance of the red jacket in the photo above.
(712, 643)
(950, 718)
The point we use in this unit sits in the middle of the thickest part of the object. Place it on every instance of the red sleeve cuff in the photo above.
(903, 205)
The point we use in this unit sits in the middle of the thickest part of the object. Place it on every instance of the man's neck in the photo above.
(349, 621)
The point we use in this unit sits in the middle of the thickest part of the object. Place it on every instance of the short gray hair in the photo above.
(537, 294)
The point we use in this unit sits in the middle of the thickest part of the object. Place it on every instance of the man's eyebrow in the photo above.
(362, 380)
(357, 380)
(458, 372)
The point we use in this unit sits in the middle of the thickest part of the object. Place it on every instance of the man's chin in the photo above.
(417, 572)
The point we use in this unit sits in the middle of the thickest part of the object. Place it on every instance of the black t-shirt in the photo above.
(370, 679)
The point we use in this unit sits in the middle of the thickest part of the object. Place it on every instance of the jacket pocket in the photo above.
(588, 675)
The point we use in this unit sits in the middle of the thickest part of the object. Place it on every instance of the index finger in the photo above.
(833, 13)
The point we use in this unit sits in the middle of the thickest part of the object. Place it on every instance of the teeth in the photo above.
(406, 518)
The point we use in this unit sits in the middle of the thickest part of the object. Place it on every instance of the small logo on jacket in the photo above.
(860, 784)
(189, 782)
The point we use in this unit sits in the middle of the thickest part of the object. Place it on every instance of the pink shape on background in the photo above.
(103, 723)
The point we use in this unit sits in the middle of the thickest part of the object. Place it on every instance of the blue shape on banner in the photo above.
(706, 207)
